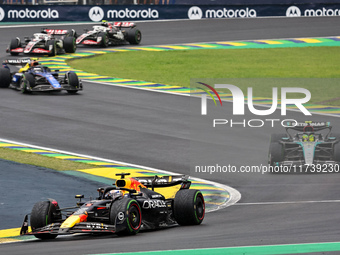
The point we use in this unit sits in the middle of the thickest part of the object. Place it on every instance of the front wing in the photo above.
(82, 227)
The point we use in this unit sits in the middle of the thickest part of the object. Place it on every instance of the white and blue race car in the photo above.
(305, 144)
(27, 75)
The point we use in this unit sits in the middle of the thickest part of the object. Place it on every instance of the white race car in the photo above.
(108, 33)
(49, 42)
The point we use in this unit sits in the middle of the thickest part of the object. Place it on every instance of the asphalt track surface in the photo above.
(153, 129)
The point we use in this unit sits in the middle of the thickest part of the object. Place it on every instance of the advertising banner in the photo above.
(85, 13)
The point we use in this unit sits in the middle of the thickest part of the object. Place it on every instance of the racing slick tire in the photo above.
(54, 48)
(126, 214)
(70, 45)
(134, 36)
(189, 207)
(73, 81)
(15, 43)
(337, 153)
(26, 82)
(275, 149)
(105, 40)
(337, 149)
(5, 78)
(43, 214)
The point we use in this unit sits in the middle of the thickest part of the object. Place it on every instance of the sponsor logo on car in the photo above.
(151, 204)
(120, 216)
(89, 42)
(56, 31)
(40, 51)
(17, 50)
(92, 225)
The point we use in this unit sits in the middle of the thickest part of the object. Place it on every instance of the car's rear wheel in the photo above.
(134, 36)
(70, 45)
(126, 214)
(5, 77)
(275, 149)
(189, 207)
(336, 150)
(43, 214)
(15, 43)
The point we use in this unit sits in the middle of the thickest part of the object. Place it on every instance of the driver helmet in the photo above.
(112, 194)
(34, 63)
(304, 137)
(105, 23)
(311, 138)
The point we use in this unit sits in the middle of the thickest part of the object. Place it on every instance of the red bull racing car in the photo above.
(124, 208)
(48, 42)
(111, 33)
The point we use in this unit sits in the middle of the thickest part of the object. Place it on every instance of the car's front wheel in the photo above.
(336, 150)
(5, 77)
(27, 82)
(275, 149)
(73, 81)
(126, 214)
(52, 47)
(105, 40)
(43, 214)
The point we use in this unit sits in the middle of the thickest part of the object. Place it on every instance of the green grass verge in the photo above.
(178, 67)
(41, 161)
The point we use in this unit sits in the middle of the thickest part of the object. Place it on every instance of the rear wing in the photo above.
(17, 61)
(164, 181)
(124, 24)
(55, 31)
(309, 126)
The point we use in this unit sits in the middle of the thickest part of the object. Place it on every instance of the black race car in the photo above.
(304, 144)
(124, 208)
(48, 42)
(108, 33)
(26, 75)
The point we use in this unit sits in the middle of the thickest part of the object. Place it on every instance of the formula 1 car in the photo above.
(309, 143)
(108, 33)
(27, 75)
(45, 42)
(124, 208)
